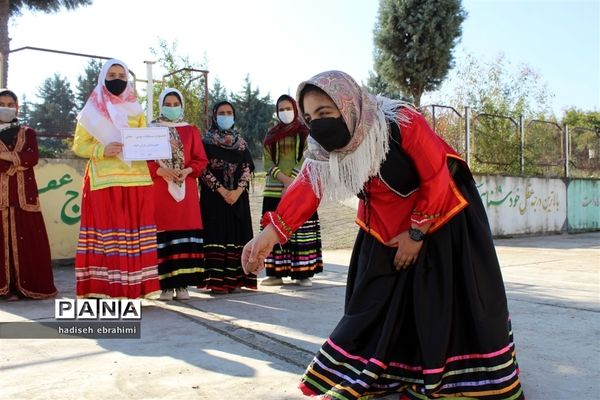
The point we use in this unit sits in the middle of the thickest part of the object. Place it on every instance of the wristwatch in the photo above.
(416, 234)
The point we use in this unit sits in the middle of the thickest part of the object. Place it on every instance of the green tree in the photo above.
(217, 93)
(254, 116)
(414, 40)
(13, 8)
(575, 117)
(87, 81)
(54, 115)
(497, 87)
(376, 84)
(499, 94)
(182, 77)
(584, 143)
(24, 110)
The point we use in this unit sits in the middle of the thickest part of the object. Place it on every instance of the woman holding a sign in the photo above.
(116, 252)
(180, 237)
(225, 203)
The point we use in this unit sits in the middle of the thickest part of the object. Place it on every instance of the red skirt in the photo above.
(116, 251)
(25, 272)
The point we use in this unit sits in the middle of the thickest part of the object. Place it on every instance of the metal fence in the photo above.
(501, 144)
(490, 143)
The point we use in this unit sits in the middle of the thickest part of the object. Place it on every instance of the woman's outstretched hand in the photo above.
(408, 250)
(257, 249)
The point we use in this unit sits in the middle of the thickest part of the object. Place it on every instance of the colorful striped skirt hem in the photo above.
(116, 251)
(180, 258)
(337, 374)
(301, 256)
(223, 268)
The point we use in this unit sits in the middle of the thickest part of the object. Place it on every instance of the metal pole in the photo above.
(69, 53)
(2, 84)
(149, 92)
(468, 135)
(522, 132)
(567, 150)
(433, 117)
(206, 117)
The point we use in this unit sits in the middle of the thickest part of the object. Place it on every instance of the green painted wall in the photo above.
(583, 205)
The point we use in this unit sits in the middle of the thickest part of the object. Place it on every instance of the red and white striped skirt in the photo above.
(116, 251)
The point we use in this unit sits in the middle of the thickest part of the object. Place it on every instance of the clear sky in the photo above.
(282, 42)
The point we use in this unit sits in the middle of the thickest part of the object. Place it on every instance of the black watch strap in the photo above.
(416, 234)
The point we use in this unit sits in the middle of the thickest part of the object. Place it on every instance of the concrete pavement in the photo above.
(255, 344)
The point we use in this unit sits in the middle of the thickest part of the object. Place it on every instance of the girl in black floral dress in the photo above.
(225, 203)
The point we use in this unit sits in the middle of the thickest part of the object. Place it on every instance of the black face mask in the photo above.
(330, 133)
(116, 86)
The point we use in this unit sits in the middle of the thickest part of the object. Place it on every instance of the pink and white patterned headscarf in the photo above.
(342, 173)
(104, 114)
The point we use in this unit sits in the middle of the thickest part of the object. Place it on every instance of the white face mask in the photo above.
(286, 116)
(7, 114)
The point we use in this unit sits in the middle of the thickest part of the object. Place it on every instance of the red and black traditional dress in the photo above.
(300, 257)
(23, 272)
(438, 329)
(227, 227)
(180, 233)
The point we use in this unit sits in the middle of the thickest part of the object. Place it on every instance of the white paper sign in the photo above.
(146, 143)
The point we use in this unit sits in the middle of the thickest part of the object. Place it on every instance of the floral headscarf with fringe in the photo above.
(342, 173)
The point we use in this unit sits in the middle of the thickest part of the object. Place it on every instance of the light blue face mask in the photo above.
(171, 113)
(225, 121)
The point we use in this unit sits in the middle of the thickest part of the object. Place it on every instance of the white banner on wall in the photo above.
(523, 205)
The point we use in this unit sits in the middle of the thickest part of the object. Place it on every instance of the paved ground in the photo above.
(255, 344)
(338, 229)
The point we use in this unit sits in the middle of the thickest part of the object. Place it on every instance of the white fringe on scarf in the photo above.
(338, 176)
